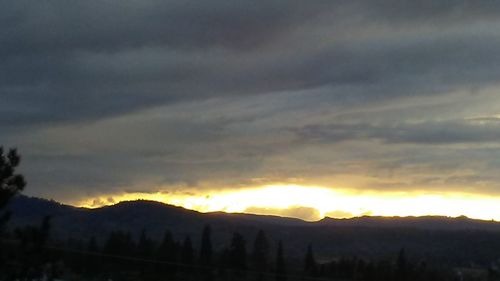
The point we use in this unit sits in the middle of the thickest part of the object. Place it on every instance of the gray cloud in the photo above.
(65, 62)
(107, 26)
(437, 132)
(143, 95)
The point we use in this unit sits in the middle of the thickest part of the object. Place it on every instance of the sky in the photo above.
(296, 108)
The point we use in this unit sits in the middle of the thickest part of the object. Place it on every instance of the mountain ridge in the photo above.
(53, 207)
(429, 236)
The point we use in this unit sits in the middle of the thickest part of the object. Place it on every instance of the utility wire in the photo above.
(184, 265)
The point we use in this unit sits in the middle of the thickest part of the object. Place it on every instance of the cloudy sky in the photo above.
(198, 98)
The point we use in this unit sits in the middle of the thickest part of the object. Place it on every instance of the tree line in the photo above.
(121, 257)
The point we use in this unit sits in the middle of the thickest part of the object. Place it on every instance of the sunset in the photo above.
(371, 106)
(365, 130)
(314, 203)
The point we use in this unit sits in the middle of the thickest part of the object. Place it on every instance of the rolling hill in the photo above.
(457, 240)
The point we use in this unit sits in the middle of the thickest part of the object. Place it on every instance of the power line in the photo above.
(178, 264)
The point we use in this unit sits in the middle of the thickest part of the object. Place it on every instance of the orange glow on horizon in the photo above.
(313, 203)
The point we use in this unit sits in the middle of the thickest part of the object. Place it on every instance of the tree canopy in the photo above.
(10, 182)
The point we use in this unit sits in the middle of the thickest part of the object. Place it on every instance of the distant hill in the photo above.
(423, 222)
(448, 239)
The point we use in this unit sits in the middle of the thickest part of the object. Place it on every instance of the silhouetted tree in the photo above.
(237, 252)
(120, 243)
(401, 266)
(145, 247)
(206, 247)
(223, 264)
(280, 263)
(168, 251)
(44, 231)
(187, 256)
(310, 265)
(92, 262)
(206, 253)
(92, 245)
(237, 257)
(260, 254)
(32, 250)
(10, 182)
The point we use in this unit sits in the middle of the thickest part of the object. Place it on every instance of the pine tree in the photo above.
(10, 182)
(44, 232)
(32, 249)
(119, 243)
(206, 253)
(401, 266)
(187, 256)
(206, 247)
(145, 247)
(167, 252)
(92, 245)
(237, 252)
(260, 254)
(280, 263)
(310, 265)
(92, 262)
(167, 249)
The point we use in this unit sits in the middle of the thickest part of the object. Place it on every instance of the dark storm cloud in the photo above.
(92, 59)
(64, 61)
(119, 94)
(59, 26)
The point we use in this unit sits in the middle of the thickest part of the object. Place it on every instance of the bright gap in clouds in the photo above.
(313, 203)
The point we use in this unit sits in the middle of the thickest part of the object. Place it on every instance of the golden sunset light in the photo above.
(313, 203)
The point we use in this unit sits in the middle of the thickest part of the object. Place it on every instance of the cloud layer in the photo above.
(103, 96)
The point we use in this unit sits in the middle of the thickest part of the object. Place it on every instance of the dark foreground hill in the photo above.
(457, 240)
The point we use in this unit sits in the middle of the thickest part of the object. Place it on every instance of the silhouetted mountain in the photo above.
(453, 239)
(425, 222)
(155, 217)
